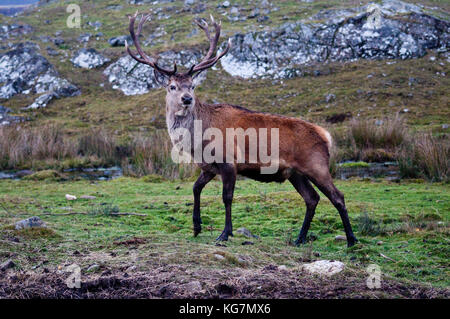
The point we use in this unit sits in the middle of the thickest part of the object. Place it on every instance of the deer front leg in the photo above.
(203, 179)
(229, 180)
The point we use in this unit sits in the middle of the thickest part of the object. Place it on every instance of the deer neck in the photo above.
(175, 121)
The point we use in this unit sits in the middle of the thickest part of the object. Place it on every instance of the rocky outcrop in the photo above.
(88, 59)
(133, 78)
(9, 31)
(391, 30)
(23, 70)
(5, 118)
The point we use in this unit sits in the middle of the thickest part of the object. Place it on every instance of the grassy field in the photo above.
(402, 227)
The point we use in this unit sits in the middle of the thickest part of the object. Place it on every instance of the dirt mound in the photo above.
(171, 281)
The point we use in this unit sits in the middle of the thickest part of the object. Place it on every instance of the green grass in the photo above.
(407, 223)
(354, 165)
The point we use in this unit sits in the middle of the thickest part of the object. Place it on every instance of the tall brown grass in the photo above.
(48, 147)
(99, 143)
(151, 154)
(425, 155)
(19, 146)
(389, 134)
(418, 154)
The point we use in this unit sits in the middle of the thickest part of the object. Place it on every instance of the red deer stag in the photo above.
(303, 152)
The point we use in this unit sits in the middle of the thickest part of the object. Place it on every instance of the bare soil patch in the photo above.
(174, 281)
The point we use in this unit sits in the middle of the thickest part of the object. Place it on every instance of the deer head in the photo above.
(179, 86)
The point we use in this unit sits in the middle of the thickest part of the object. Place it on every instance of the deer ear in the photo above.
(161, 78)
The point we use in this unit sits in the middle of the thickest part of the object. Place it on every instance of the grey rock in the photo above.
(139, 1)
(199, 8)
(219, 257)
(58, 41)
(11, 31)
(120, 41)
(133, 78)
(390, 30)
(225, 4)
(51, 51)
(32, 222)
(324, 267)
(114, 7)
(264, 3)
(340, 238)
(194, 32)
(234, 10)
(4, 109)
(84, 38)
(87, 197)
(96, 24)
(23, 70)
(245, 232)
(330, 97)
(93, 267)
(88, 59)
(7, 265)
(189, 2)
(445, 126)
(262, 18)
(5, 118)
(42, 101)
(255, 13)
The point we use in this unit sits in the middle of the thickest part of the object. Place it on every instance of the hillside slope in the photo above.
(365, 88)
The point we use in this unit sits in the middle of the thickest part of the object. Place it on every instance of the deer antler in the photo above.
(143, 58)
(209, 60)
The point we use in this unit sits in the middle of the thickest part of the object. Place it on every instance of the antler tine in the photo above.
(208, 60)
(143, 57)
(209, 63)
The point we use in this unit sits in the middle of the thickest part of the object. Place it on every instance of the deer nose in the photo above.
(187, 99)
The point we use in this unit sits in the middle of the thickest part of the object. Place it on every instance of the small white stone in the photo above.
(219, 257)
(70, 197)
(324, 267)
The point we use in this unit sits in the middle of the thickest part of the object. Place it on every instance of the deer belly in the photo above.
(254, 172)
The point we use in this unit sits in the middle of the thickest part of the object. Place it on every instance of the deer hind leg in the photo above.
(228, 175)
(309, 194)
(324, 182)
(204, 178)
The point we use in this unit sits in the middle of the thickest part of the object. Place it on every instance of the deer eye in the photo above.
(173, 87)
(193, 87)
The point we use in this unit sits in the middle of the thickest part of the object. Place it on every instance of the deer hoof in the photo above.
(351, 242)
(300, 241)
(224, 236)
(197, 230)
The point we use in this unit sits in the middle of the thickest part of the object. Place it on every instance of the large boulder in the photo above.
(391, 30)
(32, 222)
(23, 70)
(134, 78)
(88, 59)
